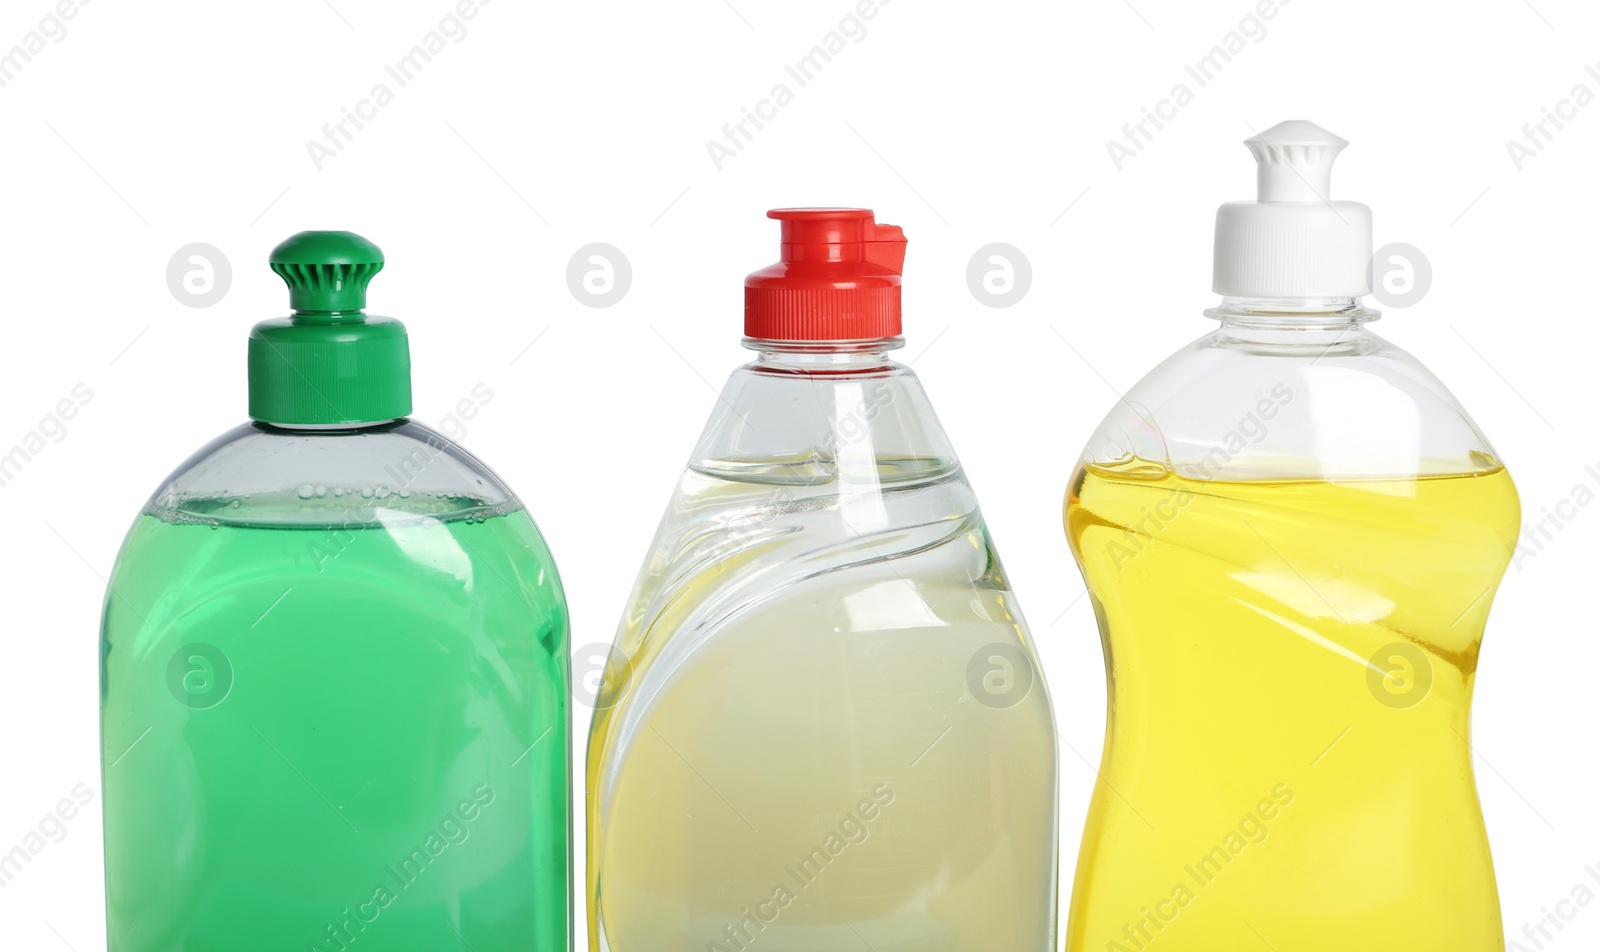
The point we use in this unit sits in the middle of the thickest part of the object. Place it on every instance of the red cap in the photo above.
(839, 279)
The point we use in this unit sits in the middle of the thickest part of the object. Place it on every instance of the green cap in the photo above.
(328, 363)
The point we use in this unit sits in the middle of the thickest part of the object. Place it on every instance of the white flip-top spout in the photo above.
(1294, 161)
(1294, 242)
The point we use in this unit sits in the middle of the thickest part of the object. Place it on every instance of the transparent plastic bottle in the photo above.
(333, 692)
(1292, 533)
(823, 726)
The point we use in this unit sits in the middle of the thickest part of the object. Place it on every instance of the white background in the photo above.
(150, 126)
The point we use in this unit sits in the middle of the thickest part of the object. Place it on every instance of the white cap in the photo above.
(1292, 241)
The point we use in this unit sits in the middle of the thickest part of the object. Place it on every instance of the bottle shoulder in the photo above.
(260, 474)
(836, 479)
(1323, 402)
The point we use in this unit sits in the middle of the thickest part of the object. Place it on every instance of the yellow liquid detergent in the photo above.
(1290, 673)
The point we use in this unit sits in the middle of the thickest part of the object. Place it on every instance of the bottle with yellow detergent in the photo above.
(1291, 533)
(823, 727)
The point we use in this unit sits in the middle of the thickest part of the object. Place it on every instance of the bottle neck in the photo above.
(325, 429)
(1292, 313)
(823, 357)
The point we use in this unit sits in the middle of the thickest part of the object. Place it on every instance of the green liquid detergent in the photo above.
(334, 690)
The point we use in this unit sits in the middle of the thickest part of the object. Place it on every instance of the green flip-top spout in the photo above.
(328, 363)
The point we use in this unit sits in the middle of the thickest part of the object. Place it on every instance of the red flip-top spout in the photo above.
(838, 280)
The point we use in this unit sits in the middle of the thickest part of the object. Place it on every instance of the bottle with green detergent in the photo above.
(334, 678)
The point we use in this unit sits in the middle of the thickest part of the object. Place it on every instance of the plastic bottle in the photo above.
(823, 726)
(1292, 533)
(334, 669)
